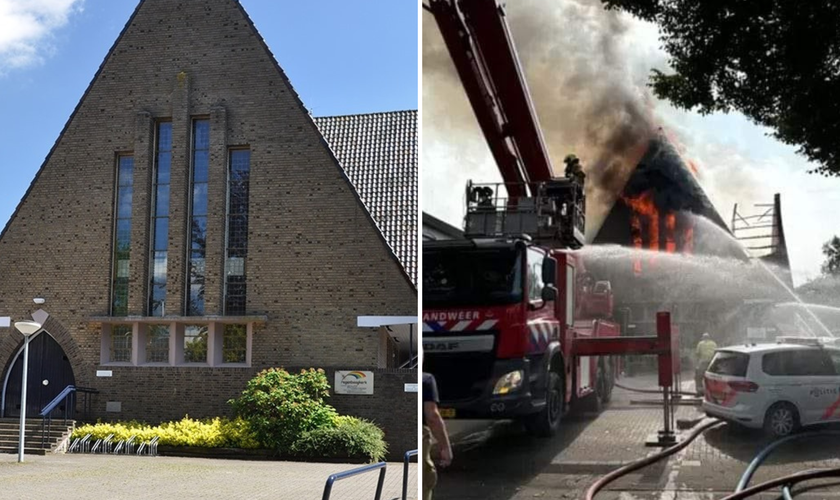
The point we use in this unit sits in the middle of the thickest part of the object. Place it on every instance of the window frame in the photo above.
(188, 278)
(177, 333)
(154, 218)
(115, 266)
(226, 283)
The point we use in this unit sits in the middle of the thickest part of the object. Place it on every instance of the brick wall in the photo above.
(204, 392)
(315, 260)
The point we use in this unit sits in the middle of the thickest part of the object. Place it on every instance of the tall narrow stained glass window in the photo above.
(122, 235)
(198, 220)
(237, 231)
(160, 220)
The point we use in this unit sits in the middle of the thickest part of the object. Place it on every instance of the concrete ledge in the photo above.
(250, 454)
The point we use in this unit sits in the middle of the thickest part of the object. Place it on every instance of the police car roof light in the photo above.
(799, 341)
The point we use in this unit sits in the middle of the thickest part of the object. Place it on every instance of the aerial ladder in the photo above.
(550, 209)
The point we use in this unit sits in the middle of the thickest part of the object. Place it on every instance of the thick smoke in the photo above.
(590, 96)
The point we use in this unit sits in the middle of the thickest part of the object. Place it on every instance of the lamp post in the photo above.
(27, 328)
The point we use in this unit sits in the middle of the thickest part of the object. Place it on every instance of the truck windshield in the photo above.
(454, 277)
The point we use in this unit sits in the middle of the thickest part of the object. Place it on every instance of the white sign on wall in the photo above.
(410, 387)
(353, 382)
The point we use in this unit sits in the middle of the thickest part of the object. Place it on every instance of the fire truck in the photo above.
(502, 311)
(505, 308)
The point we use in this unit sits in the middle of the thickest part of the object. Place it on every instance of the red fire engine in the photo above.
(500, 317)
(513, 325)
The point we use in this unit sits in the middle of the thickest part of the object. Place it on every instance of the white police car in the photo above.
(779, 387)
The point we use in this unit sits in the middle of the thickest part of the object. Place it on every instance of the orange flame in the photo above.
(670, 227)
(643, 205)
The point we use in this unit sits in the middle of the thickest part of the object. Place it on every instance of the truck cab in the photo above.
(490, 326)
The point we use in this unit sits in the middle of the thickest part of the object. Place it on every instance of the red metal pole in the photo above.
(666, 363)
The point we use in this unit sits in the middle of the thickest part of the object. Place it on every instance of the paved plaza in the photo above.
(94, 477)
(500, 461)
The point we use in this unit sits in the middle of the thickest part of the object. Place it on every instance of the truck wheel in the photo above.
(547, 422)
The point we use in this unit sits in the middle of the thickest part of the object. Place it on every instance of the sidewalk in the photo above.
(94, 477)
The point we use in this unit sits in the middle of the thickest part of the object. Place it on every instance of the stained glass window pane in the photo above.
(200, 199)
(237, 237)
(235, 341)
(124, 202)
(157, 344)
(195, 344)
(162, 201)
(200, 163)
(122, 236)
(121, 343)
(161, 234)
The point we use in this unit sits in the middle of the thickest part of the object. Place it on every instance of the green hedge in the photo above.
(280, 406)
(350, 437)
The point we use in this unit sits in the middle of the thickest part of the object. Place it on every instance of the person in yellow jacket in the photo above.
(704, 353)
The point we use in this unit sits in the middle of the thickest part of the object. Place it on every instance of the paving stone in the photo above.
(95, 477)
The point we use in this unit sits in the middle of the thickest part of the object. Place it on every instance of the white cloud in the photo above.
(26, 27)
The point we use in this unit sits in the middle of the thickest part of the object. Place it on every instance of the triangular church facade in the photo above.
(191, 227)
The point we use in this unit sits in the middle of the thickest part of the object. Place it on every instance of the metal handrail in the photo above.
(68, 392)
(353, 472)
(406, 458)
(411, 363)
(56, 400)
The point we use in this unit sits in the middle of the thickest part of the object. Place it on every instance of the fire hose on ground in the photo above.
(763, 454)
(644, 462)
(741, 490)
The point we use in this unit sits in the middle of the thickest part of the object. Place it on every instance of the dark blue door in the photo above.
(49, 373)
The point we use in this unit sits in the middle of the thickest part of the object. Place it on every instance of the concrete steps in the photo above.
(33, 435)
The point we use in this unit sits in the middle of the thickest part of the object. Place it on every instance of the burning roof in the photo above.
(659, 205)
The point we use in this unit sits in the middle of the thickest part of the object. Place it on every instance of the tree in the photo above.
(831, 250)
(775, 61)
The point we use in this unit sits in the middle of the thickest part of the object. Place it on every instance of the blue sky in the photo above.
(342, 58)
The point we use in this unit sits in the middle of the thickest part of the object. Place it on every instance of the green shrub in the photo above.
(350, 437)
(211, 433)
(280, 406)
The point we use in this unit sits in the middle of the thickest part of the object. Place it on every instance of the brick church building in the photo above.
(192, 226)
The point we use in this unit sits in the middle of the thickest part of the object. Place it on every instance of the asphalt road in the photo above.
(500, 461)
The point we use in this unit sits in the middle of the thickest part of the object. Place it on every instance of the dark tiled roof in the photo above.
(379, 153)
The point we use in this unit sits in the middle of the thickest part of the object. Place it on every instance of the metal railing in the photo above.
(411, 363)
(406, 459)
(354, 472)
(68, 397)
(86, 402)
